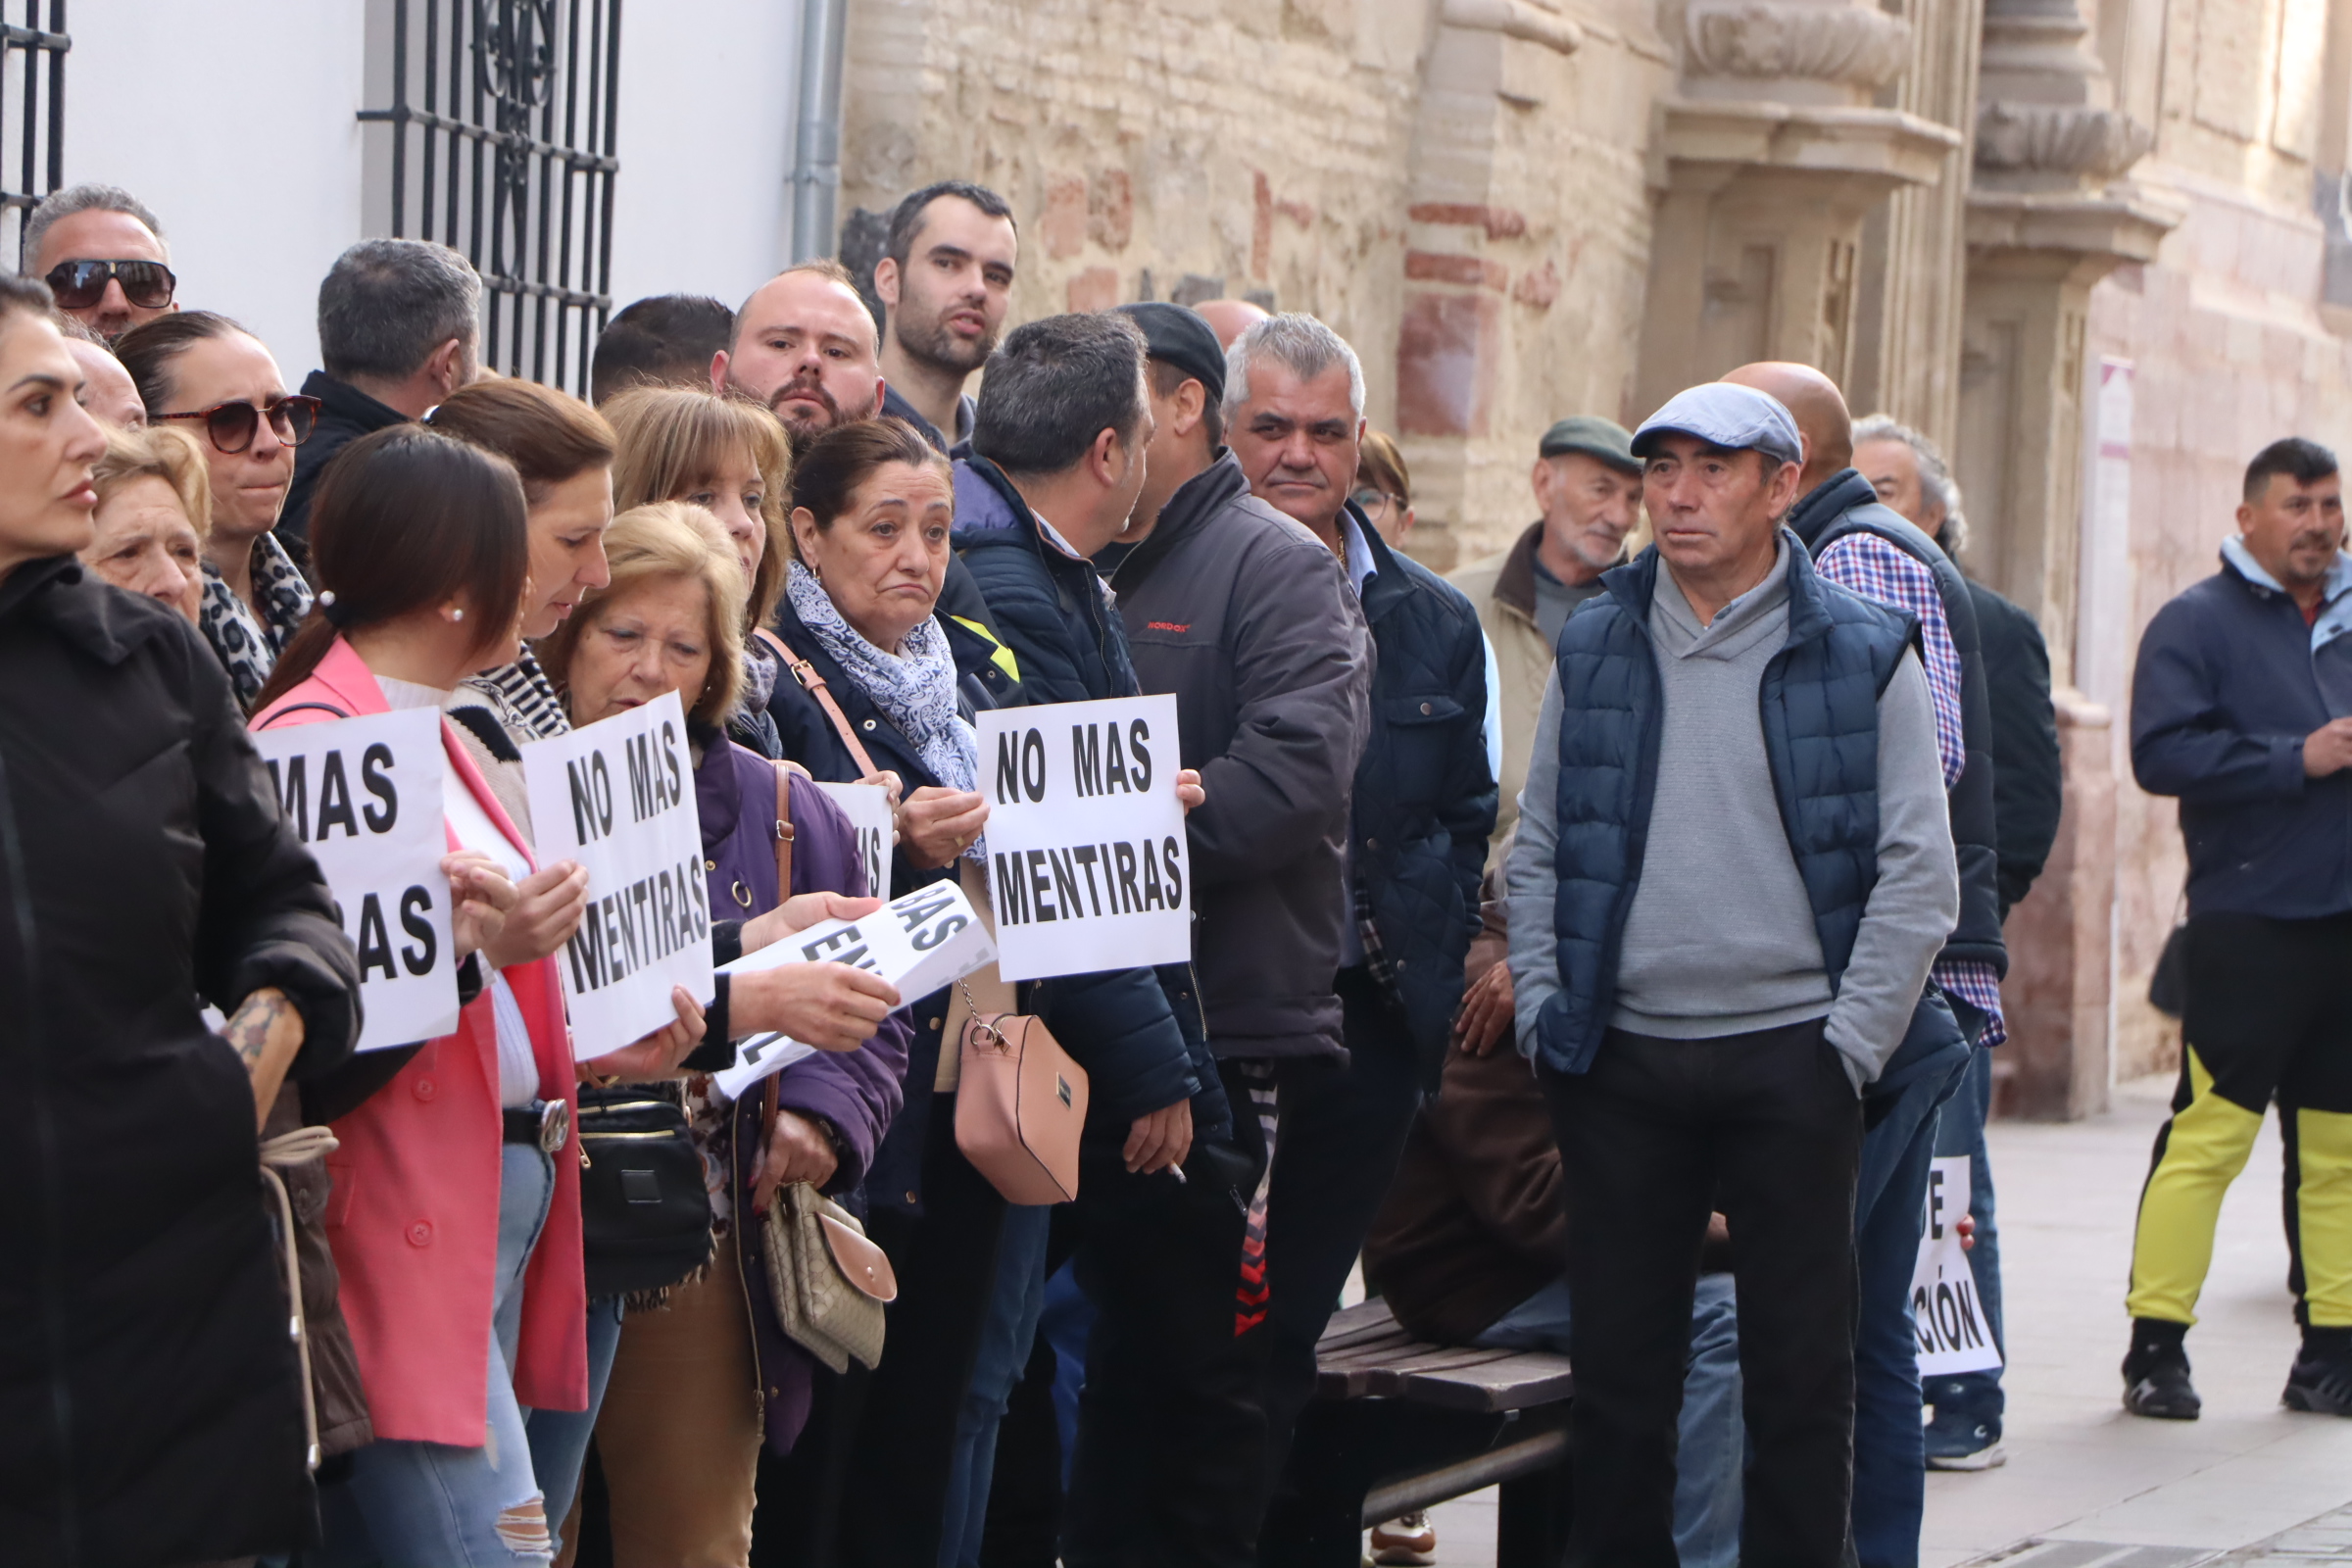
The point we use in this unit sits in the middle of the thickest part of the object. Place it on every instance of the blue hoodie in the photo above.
(2230, 683)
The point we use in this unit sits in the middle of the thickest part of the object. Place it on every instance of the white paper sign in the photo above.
(868, 806)
(1088, 862)
(618, 798)
(364, 794)
(1953, 1334)
(925, 940)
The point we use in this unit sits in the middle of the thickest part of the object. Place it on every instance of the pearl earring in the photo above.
(457, 614)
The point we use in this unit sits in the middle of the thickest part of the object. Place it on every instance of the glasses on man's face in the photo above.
(231, 426)
(78, 285)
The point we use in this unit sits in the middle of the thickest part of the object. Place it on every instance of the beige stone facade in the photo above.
(2095, 247)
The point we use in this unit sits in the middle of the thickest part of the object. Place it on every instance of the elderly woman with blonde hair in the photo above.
(698, 1381)
(155, 508)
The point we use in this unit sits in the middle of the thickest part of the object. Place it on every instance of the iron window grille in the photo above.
(501, 148)
(33, 130)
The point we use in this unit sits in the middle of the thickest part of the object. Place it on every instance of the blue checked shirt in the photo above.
(1884, 573)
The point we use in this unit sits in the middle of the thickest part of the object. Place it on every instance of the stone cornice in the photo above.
(1884, 143)
(1770, 38)
(2121, 224)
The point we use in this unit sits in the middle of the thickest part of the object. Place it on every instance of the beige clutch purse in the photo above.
(829, 1283)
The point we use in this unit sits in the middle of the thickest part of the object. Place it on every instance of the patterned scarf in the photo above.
(521, 698)
(248, 642)
(916, 687)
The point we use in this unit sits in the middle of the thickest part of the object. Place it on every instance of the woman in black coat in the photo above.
(151, 1403)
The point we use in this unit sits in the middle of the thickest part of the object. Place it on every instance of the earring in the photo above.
(457, 614)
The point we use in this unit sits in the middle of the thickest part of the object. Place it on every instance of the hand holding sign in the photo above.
(546, 914)
(830, 1006)
(936, 825)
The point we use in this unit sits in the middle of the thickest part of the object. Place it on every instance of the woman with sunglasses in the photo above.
(204, 373)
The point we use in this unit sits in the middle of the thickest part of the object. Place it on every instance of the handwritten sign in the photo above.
(1954, 1335)
(364, 794)
(618, 797)
(1088, 863)
(868, 806)
(927, 939)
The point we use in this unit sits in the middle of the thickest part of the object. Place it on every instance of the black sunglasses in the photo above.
(78, 285)
(231, 426)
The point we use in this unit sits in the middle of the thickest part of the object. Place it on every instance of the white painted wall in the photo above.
(236, 121)
(708, 102)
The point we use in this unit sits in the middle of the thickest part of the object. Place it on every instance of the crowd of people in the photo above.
(1598, 945)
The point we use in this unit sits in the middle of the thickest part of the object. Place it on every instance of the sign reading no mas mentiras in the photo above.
(1087, 865)
(618, 798)
(364, 795)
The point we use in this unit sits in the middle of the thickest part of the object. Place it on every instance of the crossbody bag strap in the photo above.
(296, 707)
(814, 685)
(784, 831)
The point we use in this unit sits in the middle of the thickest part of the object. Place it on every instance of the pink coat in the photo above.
(414, 1217)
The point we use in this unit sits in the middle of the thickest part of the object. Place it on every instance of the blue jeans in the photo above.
(560, 1437)
(436, 1505)
(1974, 1396)
(1711, 1435)
(1068, 1325)
(1890, 1447)
(1005, 1340)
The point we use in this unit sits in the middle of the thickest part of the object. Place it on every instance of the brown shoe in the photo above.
(1407, 1542)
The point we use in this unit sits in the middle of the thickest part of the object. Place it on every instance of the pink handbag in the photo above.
(1020, 1104)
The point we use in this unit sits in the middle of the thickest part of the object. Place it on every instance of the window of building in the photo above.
(33, 110)
(498, 141)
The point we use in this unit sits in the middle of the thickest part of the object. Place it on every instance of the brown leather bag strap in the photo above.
(814, 685)
(784, 831)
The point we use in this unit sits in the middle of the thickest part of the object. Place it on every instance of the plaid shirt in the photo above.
(1886, 574)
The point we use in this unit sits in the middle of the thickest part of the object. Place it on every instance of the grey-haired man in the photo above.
(1720, 949)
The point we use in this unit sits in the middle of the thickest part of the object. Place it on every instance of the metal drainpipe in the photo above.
(816, 164)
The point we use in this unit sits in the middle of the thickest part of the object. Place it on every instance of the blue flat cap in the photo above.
(1723, 415)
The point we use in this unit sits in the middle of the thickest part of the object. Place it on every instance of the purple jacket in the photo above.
(856, 1092)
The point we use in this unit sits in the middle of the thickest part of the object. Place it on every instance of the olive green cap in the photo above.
(1612, 443)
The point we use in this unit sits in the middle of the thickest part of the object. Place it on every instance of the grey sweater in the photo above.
(1720, 939)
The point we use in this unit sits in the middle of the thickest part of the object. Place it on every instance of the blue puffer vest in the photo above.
(1819, 699)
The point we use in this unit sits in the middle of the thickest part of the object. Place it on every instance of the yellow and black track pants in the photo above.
(2268, 1017)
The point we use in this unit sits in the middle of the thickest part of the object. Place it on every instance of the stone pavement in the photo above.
(2088, 1486)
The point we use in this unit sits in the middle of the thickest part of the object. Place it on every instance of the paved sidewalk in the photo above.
(2087, 1484)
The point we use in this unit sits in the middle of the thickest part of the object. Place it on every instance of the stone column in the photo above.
(1772, 155)
(2049, 215)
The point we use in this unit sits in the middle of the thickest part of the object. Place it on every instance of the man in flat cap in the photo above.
(1732, 871)
(1243, 615)
(1588, 486)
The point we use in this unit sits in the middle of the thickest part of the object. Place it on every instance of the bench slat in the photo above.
(1388, 1376)
(1520, 1383)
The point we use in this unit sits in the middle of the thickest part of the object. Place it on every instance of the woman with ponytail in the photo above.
(455, 1218)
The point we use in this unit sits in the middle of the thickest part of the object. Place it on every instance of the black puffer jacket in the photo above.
(1424, 794)
(2029, 780)
(150, 1400)
(1845, 504)
(1141, 1035)
(1244, 616)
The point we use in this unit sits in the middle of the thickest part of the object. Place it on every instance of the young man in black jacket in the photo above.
(1422, 807)
(2242, 707)
(1059, 442)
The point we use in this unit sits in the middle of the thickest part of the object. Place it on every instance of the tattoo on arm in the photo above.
(249, 1031)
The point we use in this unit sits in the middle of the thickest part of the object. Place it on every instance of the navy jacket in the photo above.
(1820, 709)
(1424, 796)
(2028, 782)
(894, 1179)
(2230, 683)
(1141, 1035)
(1845, 504)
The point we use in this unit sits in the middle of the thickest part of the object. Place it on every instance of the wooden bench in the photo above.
(1399, 1424)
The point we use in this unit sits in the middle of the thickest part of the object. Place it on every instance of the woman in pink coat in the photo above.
(456, 1214)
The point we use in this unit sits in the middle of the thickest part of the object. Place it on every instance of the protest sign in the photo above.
(618, 798)
(364, 795)
(925, 940)
(868, 806)
(1088, 863)
(1954, 1333)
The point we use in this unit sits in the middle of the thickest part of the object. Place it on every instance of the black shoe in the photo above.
(2156, 1373)
(2321, 1385)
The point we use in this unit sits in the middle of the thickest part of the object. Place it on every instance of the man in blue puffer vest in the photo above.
(1733, 870)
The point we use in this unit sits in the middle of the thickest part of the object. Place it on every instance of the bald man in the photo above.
(1229, 318)
(806, 346)
(1866, 547)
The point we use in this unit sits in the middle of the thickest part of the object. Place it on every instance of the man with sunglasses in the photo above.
(102, 253)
